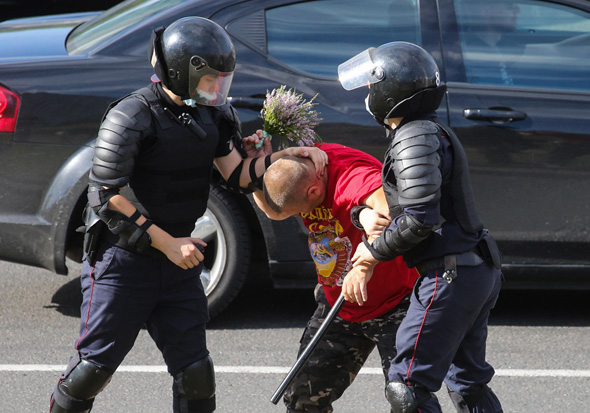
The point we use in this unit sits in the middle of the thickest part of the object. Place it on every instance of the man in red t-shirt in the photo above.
(324, 202)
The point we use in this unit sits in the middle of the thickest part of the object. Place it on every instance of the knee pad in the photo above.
(400, 397)
(404, 398)
(76, 391)
(194, 388)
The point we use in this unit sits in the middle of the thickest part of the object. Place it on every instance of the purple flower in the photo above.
(289, 116)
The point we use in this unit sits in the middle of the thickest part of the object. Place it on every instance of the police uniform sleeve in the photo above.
(117, 146)
(418, 179)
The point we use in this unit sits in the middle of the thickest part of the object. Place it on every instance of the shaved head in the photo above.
(286, 182)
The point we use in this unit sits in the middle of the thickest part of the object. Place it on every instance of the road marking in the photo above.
(285, 370)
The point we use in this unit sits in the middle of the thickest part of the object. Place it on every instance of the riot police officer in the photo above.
(437, 230)
(148, 185)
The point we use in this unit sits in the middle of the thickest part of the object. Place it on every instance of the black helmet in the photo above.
(404, 79)
(195, 59)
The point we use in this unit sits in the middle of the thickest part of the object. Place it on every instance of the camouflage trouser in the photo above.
(338, 357)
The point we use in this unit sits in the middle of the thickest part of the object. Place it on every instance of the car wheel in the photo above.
(227, 255)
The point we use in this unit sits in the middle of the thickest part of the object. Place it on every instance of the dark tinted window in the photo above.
(315, 37)
(113, 21)
(525, 43)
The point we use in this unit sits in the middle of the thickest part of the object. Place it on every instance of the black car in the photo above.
(12, 9)
(520, 106)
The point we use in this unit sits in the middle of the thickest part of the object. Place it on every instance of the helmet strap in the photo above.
(156, 47)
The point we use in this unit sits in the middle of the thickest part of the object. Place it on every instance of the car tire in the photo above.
(227, 255)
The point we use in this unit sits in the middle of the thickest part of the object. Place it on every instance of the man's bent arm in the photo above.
(378, 202)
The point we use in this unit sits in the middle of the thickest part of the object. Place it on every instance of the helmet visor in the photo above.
(210, 87)
(359, 71)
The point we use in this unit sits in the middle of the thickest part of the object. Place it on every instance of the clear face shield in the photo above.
(359, 71)
(207, 86)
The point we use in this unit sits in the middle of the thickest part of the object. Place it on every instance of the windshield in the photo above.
(113, 21)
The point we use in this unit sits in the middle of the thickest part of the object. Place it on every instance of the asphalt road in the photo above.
(538, 342)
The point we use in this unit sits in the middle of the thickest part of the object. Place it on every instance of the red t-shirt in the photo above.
(352, 176)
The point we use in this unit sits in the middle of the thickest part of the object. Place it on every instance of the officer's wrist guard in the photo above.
(125, 227)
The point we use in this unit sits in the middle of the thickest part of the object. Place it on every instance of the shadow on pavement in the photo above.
(258, 305)
(68, 298)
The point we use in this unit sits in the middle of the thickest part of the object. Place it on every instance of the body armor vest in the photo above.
(463, 200)
(172, 172)
(463, 203)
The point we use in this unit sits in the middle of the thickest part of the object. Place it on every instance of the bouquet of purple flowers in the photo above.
(288, 116)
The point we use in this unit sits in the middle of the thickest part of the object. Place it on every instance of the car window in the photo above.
(315, 37)
(113, 21)
(525, 43)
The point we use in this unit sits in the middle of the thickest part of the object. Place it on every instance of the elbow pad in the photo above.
(397, 241)
(117, 143)
(417, 163)
(233, 182)
(136, 236)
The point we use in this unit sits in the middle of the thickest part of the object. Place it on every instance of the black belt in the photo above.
(122, 243)
(450, 263)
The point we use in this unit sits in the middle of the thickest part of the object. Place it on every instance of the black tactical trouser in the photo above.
(338, 357)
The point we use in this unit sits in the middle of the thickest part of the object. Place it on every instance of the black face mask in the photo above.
(372, 114)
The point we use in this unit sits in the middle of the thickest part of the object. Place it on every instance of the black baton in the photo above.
(305, 355)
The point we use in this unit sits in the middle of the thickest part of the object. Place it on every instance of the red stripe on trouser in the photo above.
(421, 326)
(88, 312)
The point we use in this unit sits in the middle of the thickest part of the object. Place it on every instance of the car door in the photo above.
(521, 108)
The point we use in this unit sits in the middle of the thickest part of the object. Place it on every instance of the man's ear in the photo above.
(314, 192)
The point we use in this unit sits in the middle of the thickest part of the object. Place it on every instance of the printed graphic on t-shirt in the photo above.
(330, 253)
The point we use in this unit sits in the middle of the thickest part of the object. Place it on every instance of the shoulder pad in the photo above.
(416, 139)
(417, 163)
(417, 127)
(118, 140)
(131, 113)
